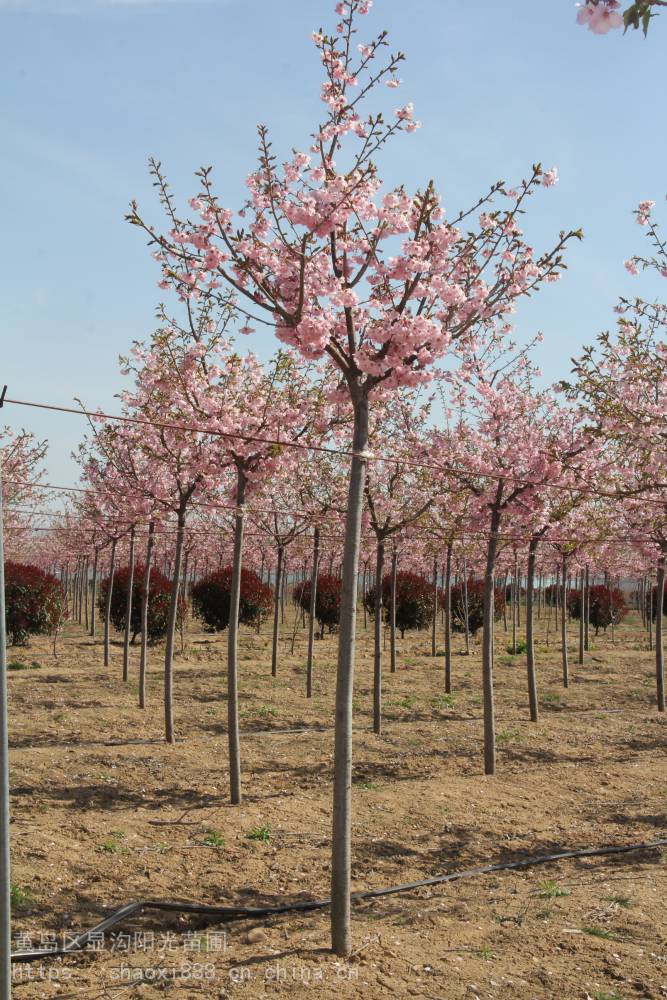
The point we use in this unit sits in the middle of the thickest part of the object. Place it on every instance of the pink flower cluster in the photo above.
(600, 16)
(643, 212)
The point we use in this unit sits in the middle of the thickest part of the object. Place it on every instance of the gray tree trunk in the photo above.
(87, 593)
(93, 609)
(377, 646)
(563, 626)
(392, 613)
(466, 614)
(341, 844)
(659, 652)
(171, 632)
(107, 607)
(233, 646)
(311, 612)
(587, 602)
(515, 602)
(530, 639)
(145, 597)
(448, 619)
(277, 603)
(128, 610)
(434, 623)
(582, 625)
(487, 642)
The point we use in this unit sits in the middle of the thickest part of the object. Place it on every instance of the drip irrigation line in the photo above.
(450, 470)
(231, 913)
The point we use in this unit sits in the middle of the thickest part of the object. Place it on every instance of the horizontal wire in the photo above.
(301, 445)
(465, 536)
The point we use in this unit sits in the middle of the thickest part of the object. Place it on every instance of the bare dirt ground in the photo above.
(104, 812)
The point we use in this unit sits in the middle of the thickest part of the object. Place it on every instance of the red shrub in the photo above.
(35, 602)
(327, 600)
(414, 600)
(159, 599)
(607, 604)
(211, 599)
(475, 606)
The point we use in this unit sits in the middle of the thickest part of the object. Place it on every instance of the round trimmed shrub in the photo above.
(211, 599)
(475, 606)
(35, 602)
(606, 605)
(327, 601)
(159, 597)
(414, 600)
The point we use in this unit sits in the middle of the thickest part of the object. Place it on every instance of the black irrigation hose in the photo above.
(229, 913)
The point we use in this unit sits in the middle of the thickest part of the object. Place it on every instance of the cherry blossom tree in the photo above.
(381, 285)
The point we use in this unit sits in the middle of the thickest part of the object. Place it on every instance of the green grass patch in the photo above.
(260, 833)
(368, 785)
(213, 838)
(551, 890)
(509, 736)
(112, 844)
(443, 701)
(623, 901)
(598, 932)
(521, 647)
(20, 897)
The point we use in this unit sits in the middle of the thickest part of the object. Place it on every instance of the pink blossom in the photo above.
(600, 16)
(644, 212)
(631, 267)
(550, 177)
(405, 113)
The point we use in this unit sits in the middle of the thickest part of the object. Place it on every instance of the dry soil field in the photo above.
(104, 812)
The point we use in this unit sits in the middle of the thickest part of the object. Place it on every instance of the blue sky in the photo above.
(94, 87)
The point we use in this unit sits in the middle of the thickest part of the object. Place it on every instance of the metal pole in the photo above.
(5, 881)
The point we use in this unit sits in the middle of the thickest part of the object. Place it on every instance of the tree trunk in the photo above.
(530, 640)
(659, 653)
(582, 625)
(311, 612)
(107, 608)
(392, 612)
(277, 605)
(86, 594)
(93, 608)
(466, 613)
(233, 643)
(487, 641)
(434, 623)
(563, 625)
(515, 602)
(448, 619)
(377, 650)
(145, 596)
(184, 591)
(128, 611)
(171, 631)
(587, 616)
(364, 588)
(341, 847)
